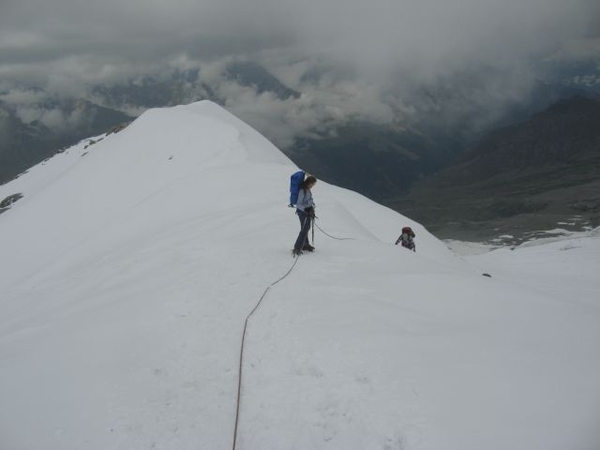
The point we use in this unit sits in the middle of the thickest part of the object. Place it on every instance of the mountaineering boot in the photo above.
(308, 248)
(296, 252)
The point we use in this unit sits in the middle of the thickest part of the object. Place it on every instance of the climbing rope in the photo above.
(243, 343)
(332, 237)
(241, 364)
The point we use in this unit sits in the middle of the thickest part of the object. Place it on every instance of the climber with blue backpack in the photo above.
(301, 198)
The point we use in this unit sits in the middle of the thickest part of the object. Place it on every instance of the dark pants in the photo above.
(305, 221)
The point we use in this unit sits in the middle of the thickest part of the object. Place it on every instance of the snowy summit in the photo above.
(130, 266)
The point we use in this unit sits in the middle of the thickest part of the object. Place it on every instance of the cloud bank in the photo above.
(351, 59)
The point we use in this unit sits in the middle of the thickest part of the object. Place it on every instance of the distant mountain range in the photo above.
(542, 173)
(382, 161)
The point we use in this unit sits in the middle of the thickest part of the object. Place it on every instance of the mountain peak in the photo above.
(183, 161)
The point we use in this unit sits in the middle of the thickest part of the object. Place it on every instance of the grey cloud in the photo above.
(375, 36)
(142, 30)
(378, 31)
(33, 105)
(351, 59)
(23, 97)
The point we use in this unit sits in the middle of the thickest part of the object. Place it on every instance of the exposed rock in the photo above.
(8, 201)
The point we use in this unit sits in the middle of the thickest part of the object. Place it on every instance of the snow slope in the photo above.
(130, 266)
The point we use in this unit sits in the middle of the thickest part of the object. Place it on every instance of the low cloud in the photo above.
(21, 98)
(323, 105)
(56, 119)
(36, 105)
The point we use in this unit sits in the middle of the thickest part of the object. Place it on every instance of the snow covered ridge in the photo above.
(127, 274)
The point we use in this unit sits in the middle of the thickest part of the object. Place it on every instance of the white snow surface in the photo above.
(129, 267)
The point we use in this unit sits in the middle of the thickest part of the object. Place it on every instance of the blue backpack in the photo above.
(295, 181)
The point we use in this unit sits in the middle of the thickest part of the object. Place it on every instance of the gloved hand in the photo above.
(310, 211)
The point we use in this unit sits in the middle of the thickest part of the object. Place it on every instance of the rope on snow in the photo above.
(332, 237)
(241, 363)
(239, 390)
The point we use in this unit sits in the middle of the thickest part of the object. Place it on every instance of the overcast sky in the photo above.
(65, 45)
